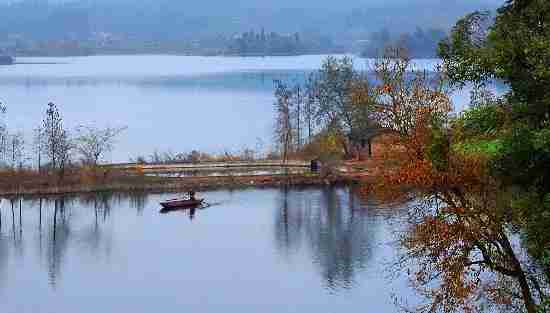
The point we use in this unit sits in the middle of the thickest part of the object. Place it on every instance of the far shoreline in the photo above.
(228, 56)
(138, 178)
(199, 184)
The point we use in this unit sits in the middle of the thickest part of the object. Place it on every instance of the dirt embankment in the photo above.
(121, 183)
(127, 178)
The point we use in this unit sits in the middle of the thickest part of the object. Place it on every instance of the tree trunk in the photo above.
(346, 149)
(530, 305)
(55, 221)
(369, 143)
(527, 296)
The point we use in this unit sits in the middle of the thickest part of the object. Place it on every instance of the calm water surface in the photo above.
(266, 250)
(169, 103)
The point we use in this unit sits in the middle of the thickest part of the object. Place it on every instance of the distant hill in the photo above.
(343, 21)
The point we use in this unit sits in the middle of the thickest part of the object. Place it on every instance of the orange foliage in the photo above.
(457, 230)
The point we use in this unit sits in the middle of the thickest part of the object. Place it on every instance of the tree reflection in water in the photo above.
(329, 226)
(138, 200)
(332, 225)
(58, 240)
(53, 226)
(4, 248)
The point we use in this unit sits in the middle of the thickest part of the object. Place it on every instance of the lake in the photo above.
(168, 103)
(257, 250)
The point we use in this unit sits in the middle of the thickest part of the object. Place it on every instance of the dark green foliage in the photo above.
(513, 47)
(484, 121)
(490, 148)
(462, 52)
(439, 148)
(522, 163)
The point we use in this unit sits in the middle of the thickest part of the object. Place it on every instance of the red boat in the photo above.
(182, 203)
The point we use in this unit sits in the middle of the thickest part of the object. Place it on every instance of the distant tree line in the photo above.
(176, 19)
(262, 43)
(422, 43)
(82, 27)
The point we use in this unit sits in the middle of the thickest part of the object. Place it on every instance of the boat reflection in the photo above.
(190, 211)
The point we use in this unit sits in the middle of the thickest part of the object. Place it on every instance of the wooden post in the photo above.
(40, 215)
(369, 143)
(20, 216)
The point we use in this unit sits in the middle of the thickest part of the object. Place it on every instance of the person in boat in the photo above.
(192, 196)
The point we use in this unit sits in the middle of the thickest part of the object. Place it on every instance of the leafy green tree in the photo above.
(513, 47)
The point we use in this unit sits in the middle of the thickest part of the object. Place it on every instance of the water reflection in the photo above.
(191, 212)
(331, 223)
(52, 230)
(108, 246)
(4, 256)
(58, 240)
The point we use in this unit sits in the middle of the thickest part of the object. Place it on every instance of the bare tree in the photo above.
(3, 135)
(92, 143)
(38, 146)
(56, 140)
(17, 150)
(297, 102)
(283, 124)
(310, 105)
(406, 91)
(259, 148)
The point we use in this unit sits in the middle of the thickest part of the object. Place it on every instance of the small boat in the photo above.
(182, 203)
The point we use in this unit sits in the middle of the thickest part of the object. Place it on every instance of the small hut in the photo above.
(363, 141)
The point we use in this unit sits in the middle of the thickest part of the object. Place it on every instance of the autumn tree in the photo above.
(459, 245)
(480, 180)
(512, 47)
(405, 91)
